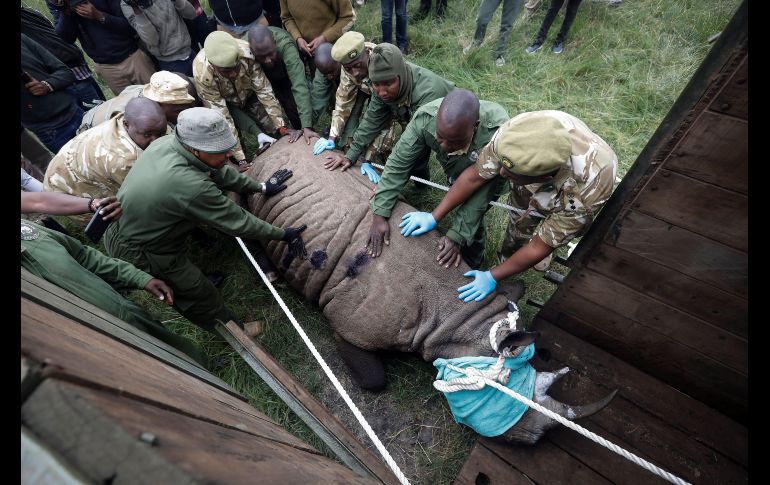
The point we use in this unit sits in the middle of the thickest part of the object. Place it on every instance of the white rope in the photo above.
(495, 372)
(380, 447)
(588, 434)
(446, 189)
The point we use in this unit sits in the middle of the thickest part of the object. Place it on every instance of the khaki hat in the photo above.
(534, 145)
(205, 129)
(221, 49)
(348, 47)
(168, 88)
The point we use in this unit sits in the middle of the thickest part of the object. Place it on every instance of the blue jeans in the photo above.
(386, 9)
(85, 92)
(55, 138)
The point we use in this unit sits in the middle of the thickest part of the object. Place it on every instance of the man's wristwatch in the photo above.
(282, 130)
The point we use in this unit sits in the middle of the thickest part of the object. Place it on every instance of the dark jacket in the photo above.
(38, 28)
(108, 43)
(43, 66)
(236, 12)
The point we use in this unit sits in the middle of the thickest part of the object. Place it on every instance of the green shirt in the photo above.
(168, 192)
(421, 133)
(426, 87)
(287, 51)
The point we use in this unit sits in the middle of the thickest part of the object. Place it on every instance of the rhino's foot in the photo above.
(366, 368)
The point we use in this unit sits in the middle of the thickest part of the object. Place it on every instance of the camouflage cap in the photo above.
(221, 49)
(348, 47)
(534, 146)
(168, 88)
(205, 129)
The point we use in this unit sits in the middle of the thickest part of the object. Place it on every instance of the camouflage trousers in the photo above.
(520, 229)
(382, 145)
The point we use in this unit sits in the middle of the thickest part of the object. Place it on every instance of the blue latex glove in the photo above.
(321, 145)
(417, 223)
(482, 285)
(368, 170)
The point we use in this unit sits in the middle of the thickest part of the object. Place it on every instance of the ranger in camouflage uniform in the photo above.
(399, 89)
(227, 75)
(558, 167)
(95, 163)
(456, 128)
(353, 93)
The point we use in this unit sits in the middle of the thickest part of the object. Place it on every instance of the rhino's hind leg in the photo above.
(365, 366)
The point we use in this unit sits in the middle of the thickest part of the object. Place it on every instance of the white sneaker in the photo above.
(499, 62)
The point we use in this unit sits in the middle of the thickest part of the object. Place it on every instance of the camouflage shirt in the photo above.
(579, 189)
(94, 163)
(346, 95)
(106, 110)
(216, 91)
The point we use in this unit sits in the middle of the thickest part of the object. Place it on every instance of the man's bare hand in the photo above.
(293, 134)
(448, 253)
(335, 160)
(88, 11)
(302, 45)
(37, 88)
(309, 134)
(313, 45)
(109, 208)
(379, 232)
(161, 290)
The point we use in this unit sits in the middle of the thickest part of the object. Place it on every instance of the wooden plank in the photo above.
(77, 353)
(684, 251)
(344, 443)
(689, 371)
(657, 399)
(734, 98)
(663, 320)
(93, 444)
(61, 301)
(627, 425)
(204, 452)
(702, 208)
(484, 467)
(681, 291)
(715, 150)
(545, 463)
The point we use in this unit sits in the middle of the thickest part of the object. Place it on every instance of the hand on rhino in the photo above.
(379, 232)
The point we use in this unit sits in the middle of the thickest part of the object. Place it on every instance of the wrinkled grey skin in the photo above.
(401, 300)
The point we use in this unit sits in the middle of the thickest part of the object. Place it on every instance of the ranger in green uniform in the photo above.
(173, 187)
(456, 128)
(276, 52)
(400, 89)
(88, 274)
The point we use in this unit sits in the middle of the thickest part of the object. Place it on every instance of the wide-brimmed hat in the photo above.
(205, 129)
(168, 88)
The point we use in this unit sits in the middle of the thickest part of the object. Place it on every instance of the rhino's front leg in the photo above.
(365, 366)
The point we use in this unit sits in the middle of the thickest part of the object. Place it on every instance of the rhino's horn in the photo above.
(588, 409)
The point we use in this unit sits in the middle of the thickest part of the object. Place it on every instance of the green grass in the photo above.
(621, 70)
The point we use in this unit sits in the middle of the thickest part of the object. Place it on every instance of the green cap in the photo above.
(534, 145)
(221, 49)
(385, 62)
(348, 47)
